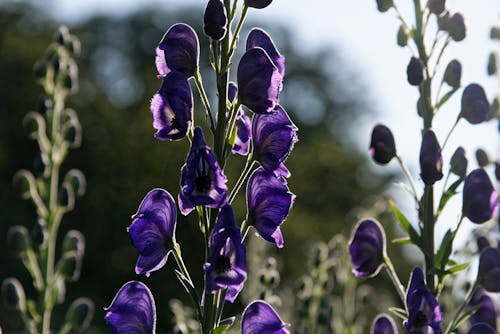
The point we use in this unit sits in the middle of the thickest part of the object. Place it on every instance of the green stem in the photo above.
(204, 99)
(458, 313)
(396, 282)
(428, 235)
(408, 176)
(238, 29)
(450, 132)
(243, 177)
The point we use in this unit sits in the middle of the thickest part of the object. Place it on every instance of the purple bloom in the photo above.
(382, 145)
(486, 312)
(383, 324)
(178, 51)
(259, 38)
(367, 248)
(215, 20)
(424, 314)
(258, 3)
(260, 318)
(172, 107)
(268, 201)
(480, 201)
(431, 161)
(202, 180)
(259, 81)
(458, 162)
(243, 128)
(232, 91)
(153, 230)
(226, 267)
(133, 310)
(274, 136)
(475, 106)
(453, 73)
(489, 269)
(415, 71)
(482, 328)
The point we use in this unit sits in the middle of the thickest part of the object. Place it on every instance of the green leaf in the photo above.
(445, 249)
(457, 268)
(398, 312)
(445, 98)
(402, 240)
(449, 193)
(405, 224)
(224, 325)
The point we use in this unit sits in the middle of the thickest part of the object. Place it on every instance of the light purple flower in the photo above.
(259, 38)
(258, 3)
(243, 127)
(383, 324)
(132, 311)
(382, 144)
(274, 136)
(488, 273)
(215, 20)
(260, 318)
(226, 267)
(367, 248)
(479, 201)
(431, 161)
(475, 106)
(268, 202)
(172, 107)
(202, 180)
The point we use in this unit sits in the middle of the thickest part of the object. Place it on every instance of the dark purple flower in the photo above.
(488, 273)
(482, 242)
(367, 248)
(172, 107)
(153, 230)
(202, 180)
(259, 38)
(486, 312)
(497, 171)
(482, 329)
(415, 71)
(243, 127)
(268, 201)
(259, 81)
(215, 20)
(479, 201)
(475, 106)
(453, 73)
(436, 6)
(274, 136)
(431, 161)
(226, 267)
(260, 318)
(456, 27)
(178, 51)
(458, 162)
(232, 91)
(382, 145)
(258, 3)
(133, 310)
(383, 324)
(424, 314)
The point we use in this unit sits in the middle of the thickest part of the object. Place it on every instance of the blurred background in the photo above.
(344, 74)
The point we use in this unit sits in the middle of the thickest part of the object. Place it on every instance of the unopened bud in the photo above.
(74, 46)
(67, 197)
(492, 64)
(458, 162)
(18, 239)
(384, 5)
(415, 71)
(44, 104)
(453, 73)
(402, 37)
(62, 35)
(74, 241)
(80, 314)
(77, 180)
(495, 33)
(436, 6)
(13, 294)
(40, 69)
(69, 266)
(443, 21)
(482, 158)
(215, 20)
(39, 233)
(456, 27)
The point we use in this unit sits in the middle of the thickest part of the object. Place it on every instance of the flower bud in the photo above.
(382, 145)
(456, 27)
(80, 314)
(215, 20)
(479, 201)
(458, 163)
(70, 266)
(40, 69)
(475, 106)
(383, 324)
(40, 164)
(18, 239)
(44, 104)
(66, 197)
(74, 46)
(495, 33)
(492, 64)
(62, 35)
(443, 21)
(77, 180)
(436, 6)
(258, 3)
(482, 242)
(488, 273)
(39, 234)
(367, 248)
(431, 161)
(13, 294)
(74, 241)
(482, 158)
(384, 5)
(402, 36)
(453, 73)
(415, 71)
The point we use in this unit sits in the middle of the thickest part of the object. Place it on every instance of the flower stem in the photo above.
(408, 176)
(204, 99)
(243, 177)
(395, 279)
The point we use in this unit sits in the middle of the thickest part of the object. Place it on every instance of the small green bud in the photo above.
(492, 64)
(402, 37)
(495, 107)
(69, 266)
(458, 162)
(66, 197)
(77, 181)
(74, 241)
(384, 5)
(18, 239)
(482, 158)
(453, 74)
(13, 294)
(80, 314)
(62, 35)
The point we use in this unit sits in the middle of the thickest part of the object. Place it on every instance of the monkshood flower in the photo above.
(243, 126)
(431, 161)
(453, 73)
(258, 3)
(475, 106)
(226, 267)
(482, 329)
(458, 162)
(486, 312)
(383, 324)
(424, 314)
(153, 230)
(268, 202)
(232, 91)
(274, 136)
(172, 107)
(215, 20)
(260, 318)
(178, 51)
(480, 201)
(202, 180)
(367, 248)
(133, 310)
(382, 145)
(259, 81)
(488, 273)
(415, 71)
(259, 38)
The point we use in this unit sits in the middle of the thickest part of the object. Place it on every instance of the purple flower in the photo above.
(172, 107)
(260, 318)
(178, 51)
(226, 267)
(424, 314)
(415, 71)
(367, 248)
(215, 20)
(482, 328)
(431, 161)
(382, 145)
(488, 273)
(153, 230)
(259, 38)
(458, 162)
(453, 73)
(243, 128)
(259, 81)
(258, 3)
(274, 136)
(475, 106)
(486, 312)
(232, 91)
(268, 201)
(202, 180)
(383, 324)
(436, 6)
(479, 201)
(133, 310)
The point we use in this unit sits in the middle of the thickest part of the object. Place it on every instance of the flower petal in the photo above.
(260, 318)
(259, 38)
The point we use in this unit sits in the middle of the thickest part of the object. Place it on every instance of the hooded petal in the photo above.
(260, 318)
(475, 106)
(480, 201)
(367, 248)
(243, 128)
(133, 310)
(431, 161)
(489, 269)
(259, 38)
(383, 324)
(382, 144)
(215, 20)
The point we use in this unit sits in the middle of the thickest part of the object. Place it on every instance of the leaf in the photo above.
(398, 312)
(448, 194)
(457, 268)
(445, 98)
(224, 325)
(404, 223)
(445, 249)
(403, 240)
